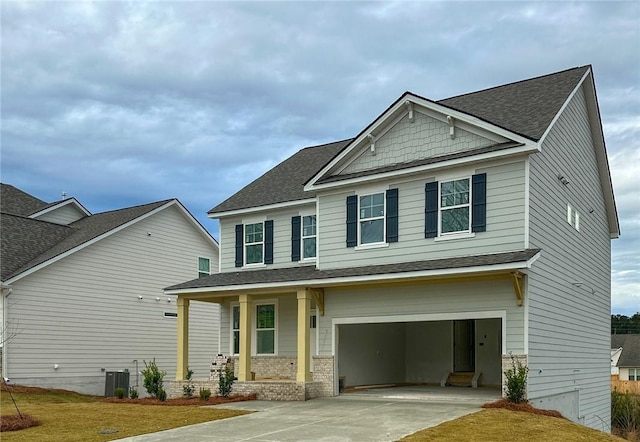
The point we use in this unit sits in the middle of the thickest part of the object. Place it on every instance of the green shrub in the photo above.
(625, 412)
(188, 388)
(205, 394)
(133, 393)
(153, 378)
(119, 393)
(516, 382)
(161, 395)
(225, 382)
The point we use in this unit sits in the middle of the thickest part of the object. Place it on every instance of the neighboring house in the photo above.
(625, 360)
(445, 237)
(82, 293)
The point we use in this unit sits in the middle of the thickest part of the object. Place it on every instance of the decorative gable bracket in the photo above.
(372, 143)
(409, 105)
(452, 126)
(318, 298)
(518, 278)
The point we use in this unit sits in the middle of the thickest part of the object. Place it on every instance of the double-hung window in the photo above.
(204, 267)
(265, 329)
(308, 236)
(455, 206)
(371, 218)
(253, 243)
(634, 374)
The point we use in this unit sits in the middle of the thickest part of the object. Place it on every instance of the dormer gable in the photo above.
(62, 212)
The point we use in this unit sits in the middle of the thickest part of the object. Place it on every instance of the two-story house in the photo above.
(445, 237)
(82, 292)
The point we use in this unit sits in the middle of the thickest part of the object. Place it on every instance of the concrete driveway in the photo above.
(365, 416)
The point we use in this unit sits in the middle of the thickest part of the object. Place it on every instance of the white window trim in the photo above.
(232, 305)
(200, 271)
(460, 233)
(302, 237)
(573, 217)
(378, 244)
(245, 244)
(254, 326)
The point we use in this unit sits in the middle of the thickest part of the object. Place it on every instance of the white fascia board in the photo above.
(197, 224)
(505, 153)
(88, 243)
(391, 113)
(63, 203)
(269, 207)
(385, 277)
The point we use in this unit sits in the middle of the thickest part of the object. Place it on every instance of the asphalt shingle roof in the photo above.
(630, 344)
(526, 108)
(307, 273)
(17, 202)
(27, 242)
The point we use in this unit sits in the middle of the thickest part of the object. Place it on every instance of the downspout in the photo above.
(6, 291)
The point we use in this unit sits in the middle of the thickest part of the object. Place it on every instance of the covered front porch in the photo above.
(299, 333)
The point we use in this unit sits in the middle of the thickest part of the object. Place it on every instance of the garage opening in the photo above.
(429, 353)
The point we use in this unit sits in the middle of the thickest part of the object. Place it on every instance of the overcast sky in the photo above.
(122, 103)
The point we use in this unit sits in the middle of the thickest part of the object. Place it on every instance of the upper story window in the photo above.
(308, 236)
(254, 243)
(204, 267)
(371, 218)
(303, 237)
(454, 206)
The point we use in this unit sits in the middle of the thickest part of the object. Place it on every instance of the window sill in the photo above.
(454, 236)
(307, 261)
(254, 266)
(377, 245)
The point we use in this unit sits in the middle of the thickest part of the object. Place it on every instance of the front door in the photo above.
(464, 356)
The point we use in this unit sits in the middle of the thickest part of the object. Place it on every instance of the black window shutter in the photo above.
(352, 221)
(295, 238)
(392, 215)
(431, 210)
(479, 203)
(268, 242)
(239, 244)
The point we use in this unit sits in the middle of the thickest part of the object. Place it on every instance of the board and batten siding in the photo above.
(83, 312)
(281, 236)
(504, 231)
(425, 137)
(570, 285)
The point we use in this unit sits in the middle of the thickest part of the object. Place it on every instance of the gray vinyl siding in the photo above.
(384, 300)
(569, 325)
(281, 236)
(83, 312)
(505, 222)
(425, 137)
(63, 215)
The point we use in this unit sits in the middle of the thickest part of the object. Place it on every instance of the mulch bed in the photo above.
(213, 400)
(524, 407)
(34, 390)
(15, 422)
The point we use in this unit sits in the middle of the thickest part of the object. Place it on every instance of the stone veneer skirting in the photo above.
(275, 380)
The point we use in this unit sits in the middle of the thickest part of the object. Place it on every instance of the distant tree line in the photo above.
(624, 325)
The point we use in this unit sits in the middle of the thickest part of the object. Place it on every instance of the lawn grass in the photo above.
(73, 417)
(494, 424)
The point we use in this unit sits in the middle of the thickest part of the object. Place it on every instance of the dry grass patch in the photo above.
(73, 417)
(499, 424)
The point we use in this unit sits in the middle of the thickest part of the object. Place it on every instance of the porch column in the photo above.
(244, 362)
(304, 311)
(183, 338)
